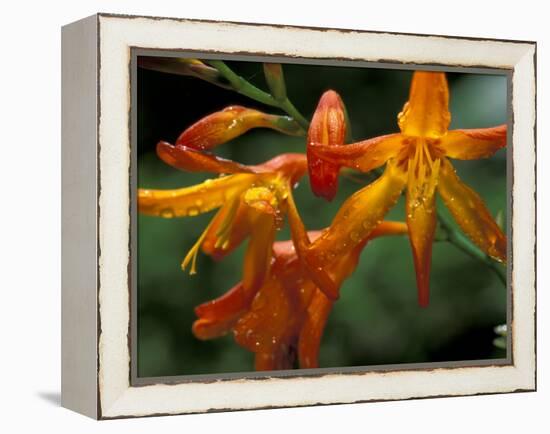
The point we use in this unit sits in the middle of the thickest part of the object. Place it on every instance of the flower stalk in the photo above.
(244, 87)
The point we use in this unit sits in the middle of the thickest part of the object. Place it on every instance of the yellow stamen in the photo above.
(192, 254)
(434, 177)
(412, 168)
(225, 229)
(426, 150)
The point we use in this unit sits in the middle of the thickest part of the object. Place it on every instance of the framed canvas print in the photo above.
(259, 216)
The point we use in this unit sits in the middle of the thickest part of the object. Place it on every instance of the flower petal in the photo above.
(471, 214)
(426, 114)
(292, 165)
(191, 160)
(298, 230)
(301, 241)
(191, 201)
(312, 330)
(205, 329)
(223, 126)
(227, 231)
(357, 218)
(286, 250)
(263, 216)
(218, 316)
(474, 144)
(388, 227)
(233, 301)
(270, 326)
(328, 127)
(363, 156)
(421, 220)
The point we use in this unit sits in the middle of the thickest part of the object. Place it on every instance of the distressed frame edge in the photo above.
(315, 28)
(79, 284)
(526, 130)
(530, 384)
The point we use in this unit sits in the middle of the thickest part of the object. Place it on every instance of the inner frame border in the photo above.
(136, 381)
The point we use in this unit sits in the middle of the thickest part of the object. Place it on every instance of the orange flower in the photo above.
(416, 158)
(252, 202)
(286, 317)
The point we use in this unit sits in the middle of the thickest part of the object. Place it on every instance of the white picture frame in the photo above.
(96, 212)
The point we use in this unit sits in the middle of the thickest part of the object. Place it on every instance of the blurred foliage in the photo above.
(377, 320)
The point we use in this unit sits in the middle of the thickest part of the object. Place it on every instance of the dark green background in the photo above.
(377, 320)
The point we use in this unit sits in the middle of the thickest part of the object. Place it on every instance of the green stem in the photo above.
(243, 86)
(246, 88)
(461, 242)
(288, 107)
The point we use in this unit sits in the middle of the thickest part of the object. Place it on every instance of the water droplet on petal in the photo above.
(355, 236)
(193, 211)
(167, 213)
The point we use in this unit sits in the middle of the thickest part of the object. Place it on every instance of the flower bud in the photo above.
(223, 126)
(189, 67)
(275, 80)
(328, 127)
